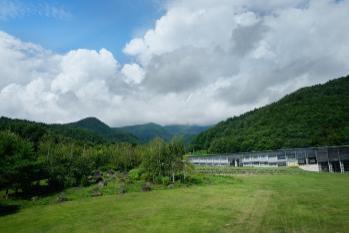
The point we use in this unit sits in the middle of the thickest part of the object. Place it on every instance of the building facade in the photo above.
(328, 159)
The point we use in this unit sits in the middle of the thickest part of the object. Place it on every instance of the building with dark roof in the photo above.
(328, 159)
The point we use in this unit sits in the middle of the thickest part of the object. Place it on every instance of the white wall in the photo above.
(310, 167)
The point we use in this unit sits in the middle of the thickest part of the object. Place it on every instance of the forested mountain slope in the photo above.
(97, 126)
(89, 131)
(92, 130)
(147, 132)
(188, 132)
(311, 116)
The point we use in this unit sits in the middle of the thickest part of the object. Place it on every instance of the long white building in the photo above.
(330, 159)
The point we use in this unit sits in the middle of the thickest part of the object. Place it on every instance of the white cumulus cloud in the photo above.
(201, 62)
(133, 73)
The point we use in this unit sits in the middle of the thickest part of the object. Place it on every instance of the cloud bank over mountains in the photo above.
(203, 61)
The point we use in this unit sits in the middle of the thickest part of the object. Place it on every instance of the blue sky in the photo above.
(65, 25)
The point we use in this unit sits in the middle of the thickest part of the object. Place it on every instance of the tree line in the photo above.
(64, 162)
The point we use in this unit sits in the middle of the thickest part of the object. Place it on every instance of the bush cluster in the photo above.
(65, 164)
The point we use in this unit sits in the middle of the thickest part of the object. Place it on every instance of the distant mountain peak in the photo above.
(148, 131)
(91, 120)
(96, 125)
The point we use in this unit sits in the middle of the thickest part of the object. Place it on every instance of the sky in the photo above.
(90, 24)
(164, 61)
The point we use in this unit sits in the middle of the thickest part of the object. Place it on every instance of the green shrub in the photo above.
(146, 176)
(135, 174)
(84, 181)
(122, 189)
(195, 179)
(165, 180)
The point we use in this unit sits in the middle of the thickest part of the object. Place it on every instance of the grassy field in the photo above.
(297, 202)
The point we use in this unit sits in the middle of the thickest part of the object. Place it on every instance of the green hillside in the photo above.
(147, 132)
(93, 124)
(35, 131)
(88, 130)
(110, 134)
(311, 116)
(188, 132)
(93, 130)
(185, 129)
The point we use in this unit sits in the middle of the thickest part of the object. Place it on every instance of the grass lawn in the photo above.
(302, 202)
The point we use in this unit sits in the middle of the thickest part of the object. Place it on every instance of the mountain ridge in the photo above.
(96, 125)
(92, 129)
(148, 131)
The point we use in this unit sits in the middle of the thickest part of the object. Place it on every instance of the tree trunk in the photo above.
(6, 194)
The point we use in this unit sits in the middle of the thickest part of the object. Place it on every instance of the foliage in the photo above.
(163, 160)
(18, 163)
(311, 116)
(63, 163)
(135, 174)
(66, 164)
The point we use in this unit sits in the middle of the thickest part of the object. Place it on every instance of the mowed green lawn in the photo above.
(256, 203)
